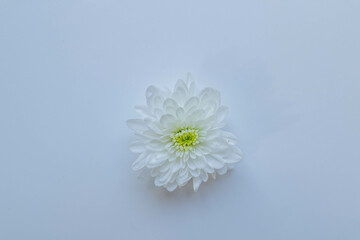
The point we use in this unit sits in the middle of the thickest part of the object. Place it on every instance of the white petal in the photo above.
(183, 177)
(208, 123)
(175, 166)
(180, 92)
(209, 95)
(196, 115)
(154, 126)
(188, 79)
(151, 93)
(217, 144)
(210, 107)
(158, 101)
(204, 176)
(154, 162)
(191, 165)
(180, 113)
(164, 168)
(199, 162)
(230, 166)
(170, 103)
(155, 172)
(233, 158)
(229, 137)
(195, 172)
(191, 84)
(190, 103)
(144, 111)
(213, 162)
(222, 170)
(158, 112)
(137, 147)
(168, 121)
(196, 183)
(208, 169)
(204, 149)
(193, 155)
(212, 134)
(230, 155)
(150, 135)
(155, 145)
(163, 179)
(180, 86)
(221, 113)
(140, 162)
(137, 125)
(171, 187)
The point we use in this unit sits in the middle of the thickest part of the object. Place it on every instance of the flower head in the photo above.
(179, 136)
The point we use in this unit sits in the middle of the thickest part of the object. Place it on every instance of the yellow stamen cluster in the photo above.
(185, 139)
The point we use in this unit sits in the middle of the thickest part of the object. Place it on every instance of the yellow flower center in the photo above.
(184, 139)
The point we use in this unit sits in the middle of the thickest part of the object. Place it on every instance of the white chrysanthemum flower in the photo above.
(179, 136)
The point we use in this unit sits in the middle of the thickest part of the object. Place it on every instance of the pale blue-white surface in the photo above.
(71, 72)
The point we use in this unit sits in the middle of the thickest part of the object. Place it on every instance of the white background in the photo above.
(71, 72)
